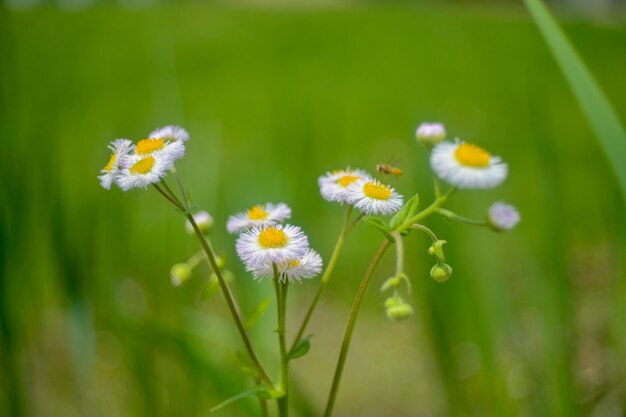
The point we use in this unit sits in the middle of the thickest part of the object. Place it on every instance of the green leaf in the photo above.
(301, 349)
(257, 391)
(246, 365)
(380, 225)
(596, 107)
(406, 212)
(257, 313)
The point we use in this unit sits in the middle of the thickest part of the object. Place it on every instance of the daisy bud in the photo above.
(204, 221)
(436, 249)
(179, 274)
(441, 272)
(430, 134)
(397, 309)
(502, 217)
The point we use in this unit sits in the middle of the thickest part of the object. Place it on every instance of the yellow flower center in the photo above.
(147, 146)
(109, 166)
(143, 166)
(290, 264)
(347, 180)
(273, 237)
(377, 191)
(258, 213)
(472, 155)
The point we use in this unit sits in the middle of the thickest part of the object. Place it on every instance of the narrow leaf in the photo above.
(408, 210)
(301, 349)
(596, 107)
(380, 225)
(250, 393)
(257, 313)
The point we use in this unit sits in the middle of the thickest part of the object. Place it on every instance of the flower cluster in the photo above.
(145, 163)
(358, 188)
(264, 244)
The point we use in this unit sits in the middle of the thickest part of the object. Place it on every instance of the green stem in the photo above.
(350, 327)
(325, 278)
(347, 337)
(281, 301)
(230, 301)
(179, 181)
(399, 253)
(426, 230)
(172, 199)
(427, 211)
(456, 217)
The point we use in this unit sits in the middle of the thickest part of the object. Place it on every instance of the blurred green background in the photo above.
(530, 324)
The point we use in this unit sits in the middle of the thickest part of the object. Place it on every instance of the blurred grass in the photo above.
(530, 323)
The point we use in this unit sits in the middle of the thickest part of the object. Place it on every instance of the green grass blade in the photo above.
(596, 107)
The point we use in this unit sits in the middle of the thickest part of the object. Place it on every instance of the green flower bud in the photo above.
(179, 273)
(220, 261)
(430, 134)
(397, 309)
(436, 249)
(441, 272)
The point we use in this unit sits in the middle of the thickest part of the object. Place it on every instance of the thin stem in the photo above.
(172, 193)
(195, 259)
(350, 327)
(179, 181)
(264, 410)
(426, 230)
(325, 277)
(281, 301)
(230, 302)
(456, 217)
(354, 223)
(399, 253)
(347, 337)
(427, 211)
(437, 186)
(171, 199)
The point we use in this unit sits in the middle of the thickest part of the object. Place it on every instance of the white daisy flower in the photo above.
(204, 221)
(274, 243)
(171, 149)
(144, 171)
(170, 133)
(502, 217)
(120, 150)
(374, 197)
(467, 166)
(309, 266)
(430, 134)
(259, 215)
(334, 184)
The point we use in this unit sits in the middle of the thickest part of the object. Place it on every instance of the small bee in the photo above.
(388, 169)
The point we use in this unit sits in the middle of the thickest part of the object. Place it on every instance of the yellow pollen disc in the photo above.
(272, 237)
(109, 166)
(472, 156)
(347, 180)
(147, 146)
(257, 213)
(377, 191)
(143, 166)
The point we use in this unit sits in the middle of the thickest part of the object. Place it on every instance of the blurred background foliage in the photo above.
(530, 324)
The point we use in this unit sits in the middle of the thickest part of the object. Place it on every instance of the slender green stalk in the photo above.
(230, 301)
(171, 199)
(456, 217)
(345, 345)
(426, 230)
(281, 301)
(181, 187)
(208, 250)
(354, 312)
(325, 277)
(399, 253)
